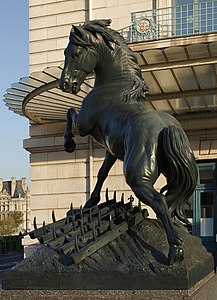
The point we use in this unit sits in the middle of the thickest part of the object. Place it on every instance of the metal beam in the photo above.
(184, 94)
(179, 64)
(37, 91)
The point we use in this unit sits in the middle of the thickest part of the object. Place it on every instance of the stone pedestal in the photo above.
(135, 261)
(203, 290)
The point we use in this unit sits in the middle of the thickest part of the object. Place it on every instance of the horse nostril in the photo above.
(65, 86)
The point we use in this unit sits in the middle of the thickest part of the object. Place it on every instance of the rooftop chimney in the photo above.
(24, 184)
(1, 184)
(13, 185)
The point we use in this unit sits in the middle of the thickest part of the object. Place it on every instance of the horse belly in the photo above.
(114, 147)
(111, 139)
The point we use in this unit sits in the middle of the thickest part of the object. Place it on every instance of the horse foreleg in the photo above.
(101, 177)
(69, 143)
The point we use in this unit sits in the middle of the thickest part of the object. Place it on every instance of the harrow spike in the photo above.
(115, 196)
(94, 232)
(81, 212)
(122, 198)
(54, 232)
(110, 222)
(53, 216)
(34, 223)
(90, 215)
(125, 212)
(106, 195)
(82, 227)
(131, 202)
(44, 229)
(99, 218)
(76, 244)
(71, 209)
(73, 222)
(116, 209)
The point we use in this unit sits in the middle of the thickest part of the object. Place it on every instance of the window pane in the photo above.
(206, 199)
(206, 227)
(206, 214)
(189, 209)
(206, 175)
(181, 2)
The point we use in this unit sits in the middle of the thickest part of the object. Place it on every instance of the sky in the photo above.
(14, 64)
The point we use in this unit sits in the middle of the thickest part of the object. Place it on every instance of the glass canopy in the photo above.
(181, 78)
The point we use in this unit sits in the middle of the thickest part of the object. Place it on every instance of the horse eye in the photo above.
(77, 53)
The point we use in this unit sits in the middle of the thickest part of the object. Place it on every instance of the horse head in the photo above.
(95, 46)
(80, 60)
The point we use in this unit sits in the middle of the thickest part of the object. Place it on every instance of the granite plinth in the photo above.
(206, 289)
(137, 260)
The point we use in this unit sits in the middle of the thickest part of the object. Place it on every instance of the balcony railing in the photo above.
(182, 20)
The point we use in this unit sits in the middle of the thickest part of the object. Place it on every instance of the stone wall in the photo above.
(59, 178)
(50, 23)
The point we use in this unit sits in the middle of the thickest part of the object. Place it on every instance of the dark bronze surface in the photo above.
(113, 113)
(84, 231)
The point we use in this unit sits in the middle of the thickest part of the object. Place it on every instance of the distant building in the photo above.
(14, 196)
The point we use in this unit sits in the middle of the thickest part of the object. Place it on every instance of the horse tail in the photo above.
(179, 167)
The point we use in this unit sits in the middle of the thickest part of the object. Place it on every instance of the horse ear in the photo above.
(78, 31)
(101, 22)
(108, 22)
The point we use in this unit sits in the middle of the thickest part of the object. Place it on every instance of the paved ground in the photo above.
(7, 261)
(208, 292)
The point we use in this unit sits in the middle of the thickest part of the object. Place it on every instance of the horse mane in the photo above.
(139, 90)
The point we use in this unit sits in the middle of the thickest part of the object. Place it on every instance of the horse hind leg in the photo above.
(176, 254)
(101, 177)
(145, 192)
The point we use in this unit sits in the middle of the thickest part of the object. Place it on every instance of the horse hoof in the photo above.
(176, 255)
(69, 145)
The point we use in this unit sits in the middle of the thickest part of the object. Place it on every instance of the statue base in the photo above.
(136, 260)
(206, 286)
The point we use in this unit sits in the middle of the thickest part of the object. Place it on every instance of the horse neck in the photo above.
(113, 67)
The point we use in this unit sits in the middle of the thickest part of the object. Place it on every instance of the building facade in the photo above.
(175, 44)
(15, 197)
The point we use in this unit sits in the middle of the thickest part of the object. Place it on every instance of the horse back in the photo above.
(151, 123)
(130, 126)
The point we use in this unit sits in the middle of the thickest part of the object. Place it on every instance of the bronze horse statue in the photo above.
(148, 142)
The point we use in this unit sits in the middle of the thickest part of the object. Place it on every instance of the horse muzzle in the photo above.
(72, 88)
(75, 88)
